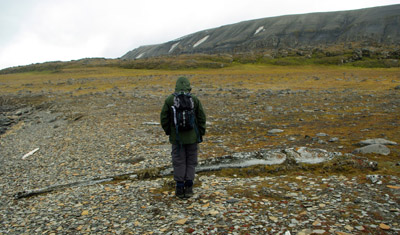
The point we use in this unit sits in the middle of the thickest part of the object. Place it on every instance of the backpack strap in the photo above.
(197, 131)
(176, 125)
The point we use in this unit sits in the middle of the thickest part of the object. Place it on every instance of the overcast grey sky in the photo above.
(34, 31)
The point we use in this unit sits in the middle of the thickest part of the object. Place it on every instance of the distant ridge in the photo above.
(368, 27)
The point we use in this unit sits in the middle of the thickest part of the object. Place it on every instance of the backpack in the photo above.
(183, 112)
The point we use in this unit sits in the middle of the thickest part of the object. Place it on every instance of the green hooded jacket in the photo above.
(186, 137)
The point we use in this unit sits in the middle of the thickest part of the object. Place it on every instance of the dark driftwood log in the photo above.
(143, 174)
(52, 188)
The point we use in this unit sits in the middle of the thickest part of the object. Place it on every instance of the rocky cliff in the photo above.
(372, 26)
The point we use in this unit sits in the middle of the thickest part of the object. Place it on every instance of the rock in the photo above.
(384, 226)
(334, 139)
(322, 135)
(376, 141)
(305, 232)
(318, 231)
(212, 212)
(374, 178)
(317, 223)
(397, 87)
(181, 221)
(274, 219)
(373, 148)
(232, 200)
(357, 54)
(151, 123)
(268, 56)
(349, 228)
(275, 131)
(5, 121)
(343, 233)
(360, 228)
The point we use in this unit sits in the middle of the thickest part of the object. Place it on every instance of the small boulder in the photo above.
(322, 134)
(373, 148)
(5, 121)
(374, 178)
(334, 139)
(376, 141)
(275, 131)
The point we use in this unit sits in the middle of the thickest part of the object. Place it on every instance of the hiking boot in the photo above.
(180, 192)
(188, 191)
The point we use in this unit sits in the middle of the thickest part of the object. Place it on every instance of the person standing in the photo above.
(184, 121)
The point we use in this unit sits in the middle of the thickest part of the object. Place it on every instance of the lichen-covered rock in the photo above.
(376, 141)
(373, 148)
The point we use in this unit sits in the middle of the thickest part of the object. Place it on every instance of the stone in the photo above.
(373, 178)
(5, 121)
(342, 233)
(273, 219)
(319, 231)
(360, 228)
(316, 223)
(232, 200)
(151, 123)
(212, 212)
(305, 232)
(373, 148)
(181, 221)
(376, 141)
(322, 135)
(393, 187)
(334, 139)
(384, 226)
(349, 228)
(275, 131)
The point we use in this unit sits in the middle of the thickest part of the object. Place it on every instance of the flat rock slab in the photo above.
(376, 141)
(373, 148)
(275, 131)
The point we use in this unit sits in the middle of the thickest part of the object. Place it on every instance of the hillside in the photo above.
(379, 26)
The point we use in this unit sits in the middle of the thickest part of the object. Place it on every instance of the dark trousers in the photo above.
(184, 161)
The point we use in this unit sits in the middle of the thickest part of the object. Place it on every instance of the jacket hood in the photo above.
(183, 84)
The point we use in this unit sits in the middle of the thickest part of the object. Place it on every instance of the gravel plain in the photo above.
(79, 138)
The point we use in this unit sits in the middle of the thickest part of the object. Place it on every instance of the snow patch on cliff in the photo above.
(201, 41)
(173, 47)
(141, 55)
(261, 28)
